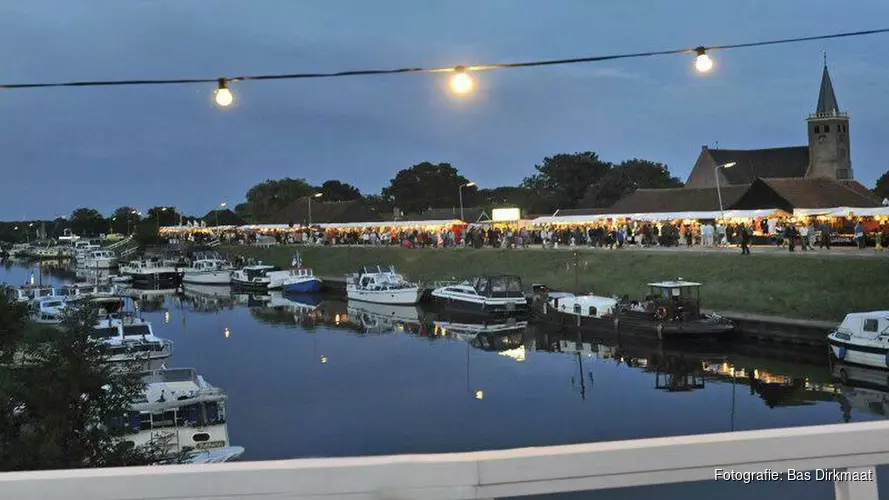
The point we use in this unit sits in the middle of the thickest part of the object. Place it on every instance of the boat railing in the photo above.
(733, 458)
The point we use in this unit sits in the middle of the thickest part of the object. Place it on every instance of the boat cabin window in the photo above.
(870, 325)
(593, 311)
(482, 286)
(136, 330)
(365, 281)
(104, 333)
(576, 308)
(163, 419)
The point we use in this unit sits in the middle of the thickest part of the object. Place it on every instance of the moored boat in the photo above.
(486, 295)
(98, 259)
(382, 286)
(298, 279)
(862, 339)
(132, 339)
(671, 310)
(208, 270)
(254, 277)
(152, 272)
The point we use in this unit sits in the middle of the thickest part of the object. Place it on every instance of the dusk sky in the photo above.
(170, 145)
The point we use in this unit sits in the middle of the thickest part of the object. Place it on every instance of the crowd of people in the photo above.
(803, 234)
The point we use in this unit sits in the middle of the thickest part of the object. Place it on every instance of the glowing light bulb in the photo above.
(703, 62)
(479, 395)
(323, 359)
(224, 96)
(461, 83)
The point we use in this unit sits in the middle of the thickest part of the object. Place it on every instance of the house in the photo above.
(678, 200)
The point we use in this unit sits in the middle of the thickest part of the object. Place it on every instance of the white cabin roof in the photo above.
(674, 284)
(857, 324)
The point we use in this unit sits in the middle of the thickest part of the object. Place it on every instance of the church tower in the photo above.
(828, 127)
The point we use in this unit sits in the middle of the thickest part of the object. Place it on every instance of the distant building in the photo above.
(826, 156)
(815, 176)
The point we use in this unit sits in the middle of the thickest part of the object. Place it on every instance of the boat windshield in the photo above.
(104, 333)
(136, 330)
(502, 286)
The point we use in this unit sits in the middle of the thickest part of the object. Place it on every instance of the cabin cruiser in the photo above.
(253, 277)
(298, 279)
(152, 272)
(98, 259)
(494, 295)
(375, 284)
(21, 250)
(48, 310)
(131, 339)
(28, 293)
(206, 270)
(671, 310)
(185, 415)
(862, 339)
(82, 248)
(52, 252)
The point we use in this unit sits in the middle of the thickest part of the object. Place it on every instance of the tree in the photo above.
(379, 205)
(339, 191)
(88, 222)
(163, 216)
(124, 220)
(882, 187)
(427, 185)
(62, 403)
(562, 180)
(625, 178)
(269, 197)
(505, 196)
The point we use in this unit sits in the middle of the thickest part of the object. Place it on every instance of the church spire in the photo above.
(827, 99)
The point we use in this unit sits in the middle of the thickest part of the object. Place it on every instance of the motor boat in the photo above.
(671, 310)
(206, 270)
(98, 259)
(82, 248)
(52, 252)
(862, 339)
(487, 295)
(28, 293)
(298, 279)
(152, 272)
(183, 415)
(48, 310)
(131, 339)
(253, 277)
(382, 286)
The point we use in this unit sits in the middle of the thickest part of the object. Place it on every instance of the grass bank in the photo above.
(809, 287)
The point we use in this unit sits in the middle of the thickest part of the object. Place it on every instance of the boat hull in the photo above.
(858, 354)
(305, 286)
(486, 306)
(208, 277)
(158, 279)
(403, 296)
(250, 285)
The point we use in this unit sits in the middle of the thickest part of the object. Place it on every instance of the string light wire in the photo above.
(398, 71)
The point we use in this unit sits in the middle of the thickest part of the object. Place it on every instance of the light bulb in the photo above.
(703, 62)
(224, 96)
(461, 83)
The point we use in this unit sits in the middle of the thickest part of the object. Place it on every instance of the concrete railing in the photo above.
(489, 474)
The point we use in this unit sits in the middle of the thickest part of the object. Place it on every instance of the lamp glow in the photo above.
(224, 96)
(461, 83)
(703, 62)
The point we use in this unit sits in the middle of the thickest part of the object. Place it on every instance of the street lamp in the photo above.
(221, 206)
(316, 195)
(460, 193)
(718, 191)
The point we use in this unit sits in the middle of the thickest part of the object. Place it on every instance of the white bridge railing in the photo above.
(487, 474)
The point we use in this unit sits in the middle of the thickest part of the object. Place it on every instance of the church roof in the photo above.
(677, 200)
(827, 99)
(762, 163)
(822, 192)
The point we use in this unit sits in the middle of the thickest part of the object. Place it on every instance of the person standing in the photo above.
(790, 235)
(825, 235)
(745, 239)
(859, 235)
(804, 237)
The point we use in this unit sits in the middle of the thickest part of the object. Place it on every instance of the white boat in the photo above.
(131, 339)
(501, 294)
(253, 277)
(374, 284)
(82, 248)
(152, 272)
(28, 293)
(21, 250)
(52, 252)
(862, 339)
(183, 415)
(98, 259)
(48, 310)
(208, 271)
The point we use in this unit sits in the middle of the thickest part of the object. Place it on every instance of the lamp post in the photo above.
(718, 190)
(460, 193)
(316, 195)
(221, 206)
(130, 220)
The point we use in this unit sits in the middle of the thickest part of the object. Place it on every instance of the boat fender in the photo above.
(841, 353)
(660, 331)
(661, 312)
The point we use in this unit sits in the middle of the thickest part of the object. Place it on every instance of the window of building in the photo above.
(842, 174)
(826, 129)
(817, 129)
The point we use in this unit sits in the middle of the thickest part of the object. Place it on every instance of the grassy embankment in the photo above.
(808, 287)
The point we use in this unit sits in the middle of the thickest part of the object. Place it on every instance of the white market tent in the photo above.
(660, 216)
(859, 212)
(343, 225)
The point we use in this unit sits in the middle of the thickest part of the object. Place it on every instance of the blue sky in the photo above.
(143, 146)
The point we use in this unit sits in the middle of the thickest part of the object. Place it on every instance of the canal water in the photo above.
(319, 377)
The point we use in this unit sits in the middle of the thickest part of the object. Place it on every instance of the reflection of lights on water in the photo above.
(479, 395)
(227, 332)
(517, 354)
(166, 316)
(323, 359)
(336, 319)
